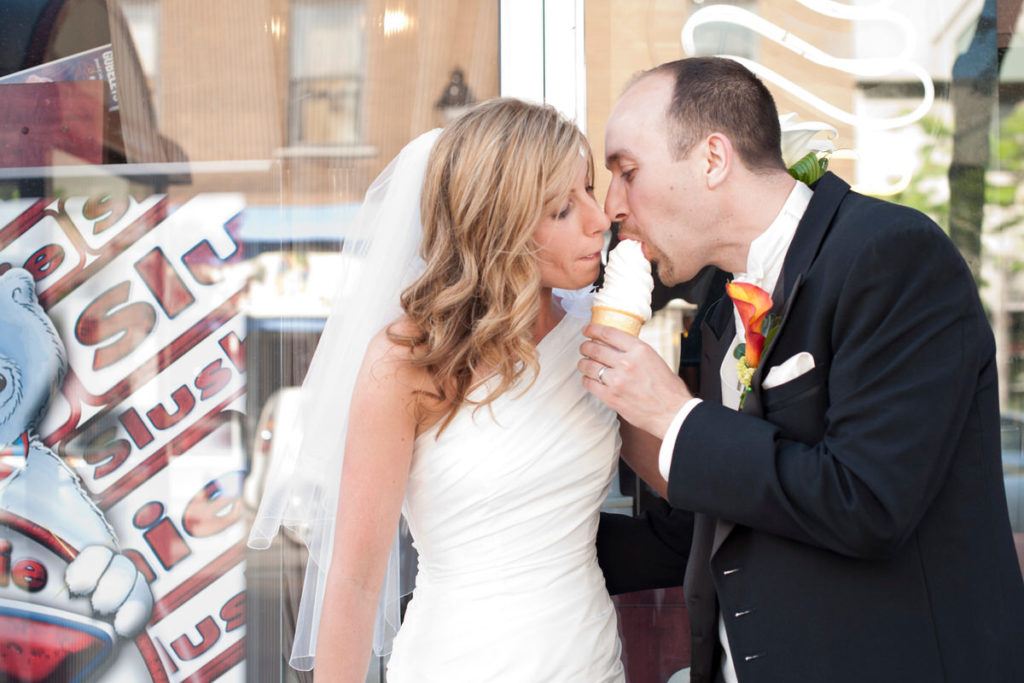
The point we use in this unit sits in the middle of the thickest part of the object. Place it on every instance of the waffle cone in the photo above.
(620, 320)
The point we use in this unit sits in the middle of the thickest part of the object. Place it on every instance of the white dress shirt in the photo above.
(764, 264)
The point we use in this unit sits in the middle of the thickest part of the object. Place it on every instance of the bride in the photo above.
(466, 414)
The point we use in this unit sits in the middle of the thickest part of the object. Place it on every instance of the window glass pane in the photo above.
(327, 72)
(176, 178)
(926, 99)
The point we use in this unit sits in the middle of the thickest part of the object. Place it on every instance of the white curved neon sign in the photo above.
(864, 67)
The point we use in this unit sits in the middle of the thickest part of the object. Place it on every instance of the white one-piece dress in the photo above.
(503, 510)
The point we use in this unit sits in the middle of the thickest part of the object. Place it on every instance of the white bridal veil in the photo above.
(380, 257)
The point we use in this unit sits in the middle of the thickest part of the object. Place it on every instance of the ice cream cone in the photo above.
(620, 320)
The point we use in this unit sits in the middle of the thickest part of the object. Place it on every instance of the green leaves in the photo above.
(809, 168)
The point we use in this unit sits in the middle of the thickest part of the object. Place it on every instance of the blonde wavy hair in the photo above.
(490, 177)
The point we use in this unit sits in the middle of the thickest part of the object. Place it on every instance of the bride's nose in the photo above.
(595, 221)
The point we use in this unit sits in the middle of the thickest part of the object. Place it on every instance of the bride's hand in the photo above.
(631, 378)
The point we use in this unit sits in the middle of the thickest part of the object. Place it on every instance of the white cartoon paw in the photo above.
(115, 585)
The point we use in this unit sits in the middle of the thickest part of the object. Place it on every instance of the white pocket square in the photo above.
(792, 368)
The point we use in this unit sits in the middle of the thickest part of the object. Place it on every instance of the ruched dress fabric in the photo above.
(503, 510)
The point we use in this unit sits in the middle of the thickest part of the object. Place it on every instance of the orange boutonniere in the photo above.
(753, 304)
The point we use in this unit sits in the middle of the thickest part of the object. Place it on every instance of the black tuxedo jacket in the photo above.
(850, 524)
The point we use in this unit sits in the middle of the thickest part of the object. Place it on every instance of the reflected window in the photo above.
(721, 38)
(327, 72)
(143, 19)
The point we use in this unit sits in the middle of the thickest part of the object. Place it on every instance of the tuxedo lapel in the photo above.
(752, 404)
(810, 234)
(717, 333)
(829, 192)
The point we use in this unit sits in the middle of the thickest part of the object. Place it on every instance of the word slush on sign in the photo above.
(145, 300)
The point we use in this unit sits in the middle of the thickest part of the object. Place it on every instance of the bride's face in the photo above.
(571, 236)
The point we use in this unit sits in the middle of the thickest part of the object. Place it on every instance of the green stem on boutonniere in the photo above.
(810, 168)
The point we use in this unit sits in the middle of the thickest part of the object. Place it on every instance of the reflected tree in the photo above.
(973, 96)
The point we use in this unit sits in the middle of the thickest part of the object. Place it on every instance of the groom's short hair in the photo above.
(716, 94)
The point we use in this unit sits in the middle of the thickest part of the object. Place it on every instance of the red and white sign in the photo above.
(146, 298)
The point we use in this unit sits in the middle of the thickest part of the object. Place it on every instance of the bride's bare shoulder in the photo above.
(391, 353)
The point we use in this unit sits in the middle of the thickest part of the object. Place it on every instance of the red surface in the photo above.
(35, 652)
(75, 660)
(655, 632)
(38, 118)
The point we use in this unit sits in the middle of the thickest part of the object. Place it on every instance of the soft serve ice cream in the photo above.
(624, 301)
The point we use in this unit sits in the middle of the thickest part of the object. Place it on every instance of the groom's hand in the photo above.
(631, 379)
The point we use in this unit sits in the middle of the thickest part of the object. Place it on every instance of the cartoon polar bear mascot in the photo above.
(45, 491)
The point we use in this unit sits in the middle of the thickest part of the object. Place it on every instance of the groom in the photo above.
(843, 517)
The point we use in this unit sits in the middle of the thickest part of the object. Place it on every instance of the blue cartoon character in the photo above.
(47, 520)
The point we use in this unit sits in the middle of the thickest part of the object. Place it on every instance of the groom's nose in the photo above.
(615, 204)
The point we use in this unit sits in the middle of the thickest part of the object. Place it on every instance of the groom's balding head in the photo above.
(715, 94)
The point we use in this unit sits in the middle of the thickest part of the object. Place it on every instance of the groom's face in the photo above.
(656, 199)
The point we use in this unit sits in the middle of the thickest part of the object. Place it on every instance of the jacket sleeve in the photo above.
(905, 343)
(645, 552)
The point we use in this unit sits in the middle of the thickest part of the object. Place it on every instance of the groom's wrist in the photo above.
(668, 440)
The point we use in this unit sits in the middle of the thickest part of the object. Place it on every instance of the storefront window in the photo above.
(176, 179)
(925, 97)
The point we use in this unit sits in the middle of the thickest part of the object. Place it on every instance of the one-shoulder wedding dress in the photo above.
(503, 510)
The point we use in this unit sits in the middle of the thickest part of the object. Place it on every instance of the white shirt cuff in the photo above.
(668, 443)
